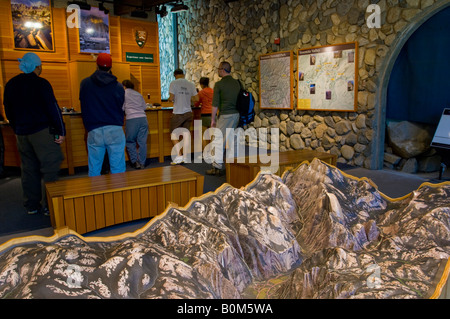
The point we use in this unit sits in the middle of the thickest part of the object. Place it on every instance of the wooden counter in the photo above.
(74, 148)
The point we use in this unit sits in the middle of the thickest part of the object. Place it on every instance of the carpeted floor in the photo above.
(15, 222)
(13, 216)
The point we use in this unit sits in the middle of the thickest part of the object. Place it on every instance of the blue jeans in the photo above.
(136, 131)
(110, 138)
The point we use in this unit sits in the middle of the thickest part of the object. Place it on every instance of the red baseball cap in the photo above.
(104, 60)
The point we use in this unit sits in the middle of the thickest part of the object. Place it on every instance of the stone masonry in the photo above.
(239, 32)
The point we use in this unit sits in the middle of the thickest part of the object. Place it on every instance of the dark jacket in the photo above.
(101, 98)
(31, 106)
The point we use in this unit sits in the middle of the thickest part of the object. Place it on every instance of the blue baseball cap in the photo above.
(29, 62)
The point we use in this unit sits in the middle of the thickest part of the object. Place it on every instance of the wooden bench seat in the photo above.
(90, 203)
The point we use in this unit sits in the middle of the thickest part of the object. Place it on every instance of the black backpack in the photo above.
(245, 104)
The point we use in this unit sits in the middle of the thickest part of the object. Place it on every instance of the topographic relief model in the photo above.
(313, 233)
(275, 75)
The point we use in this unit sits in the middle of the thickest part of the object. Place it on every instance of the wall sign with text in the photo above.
(139, 57)
(327, 78)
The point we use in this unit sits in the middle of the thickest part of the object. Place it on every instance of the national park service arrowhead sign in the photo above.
(140, 35)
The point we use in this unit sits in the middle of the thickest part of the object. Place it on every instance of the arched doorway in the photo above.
(385, 76)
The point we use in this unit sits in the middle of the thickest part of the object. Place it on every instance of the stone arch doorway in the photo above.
(384, 77)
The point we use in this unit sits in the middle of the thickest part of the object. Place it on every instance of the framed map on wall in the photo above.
(327, 78)
(276, 80)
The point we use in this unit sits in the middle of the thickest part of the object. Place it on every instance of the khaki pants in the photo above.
(223, 122)
(40, 160)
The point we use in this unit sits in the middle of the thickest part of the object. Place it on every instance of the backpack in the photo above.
(245, 104)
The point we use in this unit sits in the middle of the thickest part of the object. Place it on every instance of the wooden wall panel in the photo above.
(114, 40)
(136, 77)
(128, 40)
(78, 70)
(66, 50)
(59, 34)
(146, 79)
(56, 73)
(151, 83)
(53, 62)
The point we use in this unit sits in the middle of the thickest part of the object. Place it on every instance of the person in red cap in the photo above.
(102, 98)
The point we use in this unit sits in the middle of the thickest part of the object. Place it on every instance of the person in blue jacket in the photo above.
(36, 119)
(102, 98)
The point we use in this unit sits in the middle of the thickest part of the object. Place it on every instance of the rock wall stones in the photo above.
(166, 53)
(239, 32)
(408, 147)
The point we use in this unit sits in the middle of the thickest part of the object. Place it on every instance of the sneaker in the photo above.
(45, 211)
(137, 165)
(33, 212)
(177, 160)
(214, 171)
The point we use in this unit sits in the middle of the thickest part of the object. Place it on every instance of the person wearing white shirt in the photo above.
(183, 94)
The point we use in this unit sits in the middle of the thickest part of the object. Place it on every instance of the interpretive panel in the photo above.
(32, 25)
(94, 31)
(442, 136)
(276, 80)
(327, 78)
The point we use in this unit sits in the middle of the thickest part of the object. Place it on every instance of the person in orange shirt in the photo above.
(205, 101)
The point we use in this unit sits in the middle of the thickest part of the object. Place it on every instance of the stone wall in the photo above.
(239, 32)
(166, 53)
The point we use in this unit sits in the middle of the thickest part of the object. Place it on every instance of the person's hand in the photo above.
(60, 139)
(213, 123)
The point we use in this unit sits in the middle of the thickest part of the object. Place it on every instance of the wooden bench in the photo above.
(90, 203)
(240, 174)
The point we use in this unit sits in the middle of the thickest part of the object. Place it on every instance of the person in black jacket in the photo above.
(101, 99)
(2, 151)
(36, 119)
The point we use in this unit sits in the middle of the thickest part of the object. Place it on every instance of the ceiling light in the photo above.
(82, 4)
(179, 8)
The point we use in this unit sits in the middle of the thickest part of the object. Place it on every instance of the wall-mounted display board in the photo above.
(94, 31)
(441, 137)
(32, 25)
(327, 78)
(276, 80)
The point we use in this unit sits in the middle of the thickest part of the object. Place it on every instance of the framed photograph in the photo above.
(32, 25)
(276, 80)
(328, 78)
(93, 33)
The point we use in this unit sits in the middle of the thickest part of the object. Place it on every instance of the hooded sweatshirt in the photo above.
(31, 106)
(101, 97)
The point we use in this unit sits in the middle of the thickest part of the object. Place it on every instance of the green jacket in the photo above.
(225, 95)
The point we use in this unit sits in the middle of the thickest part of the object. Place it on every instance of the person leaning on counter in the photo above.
(36, 119)
(101, 99)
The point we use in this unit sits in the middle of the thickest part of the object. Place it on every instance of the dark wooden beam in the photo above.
(122, 7)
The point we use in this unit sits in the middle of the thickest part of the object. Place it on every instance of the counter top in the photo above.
(147, 109)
